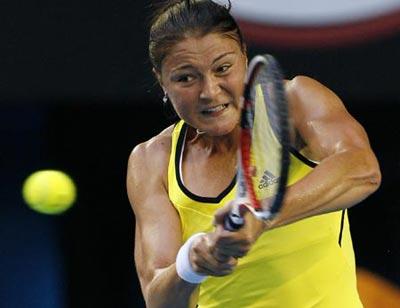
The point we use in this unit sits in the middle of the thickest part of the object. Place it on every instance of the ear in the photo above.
(244, 49)
(157, 74)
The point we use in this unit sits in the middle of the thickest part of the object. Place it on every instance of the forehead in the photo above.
(200, 50)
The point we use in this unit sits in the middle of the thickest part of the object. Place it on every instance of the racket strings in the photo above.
(267, 134)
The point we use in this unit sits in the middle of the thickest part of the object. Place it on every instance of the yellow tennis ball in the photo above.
(49, 191)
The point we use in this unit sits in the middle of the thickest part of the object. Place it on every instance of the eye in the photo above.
(223, 68)
(183, 78)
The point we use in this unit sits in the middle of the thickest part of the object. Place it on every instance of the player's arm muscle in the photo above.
(158, 231)
(347, 171)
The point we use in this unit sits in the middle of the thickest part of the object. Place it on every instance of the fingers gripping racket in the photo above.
(263, 155)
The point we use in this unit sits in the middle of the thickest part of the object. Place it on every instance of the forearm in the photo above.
(338, 182)
(167, 289)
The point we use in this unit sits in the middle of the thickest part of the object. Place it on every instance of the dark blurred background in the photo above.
(77, 94)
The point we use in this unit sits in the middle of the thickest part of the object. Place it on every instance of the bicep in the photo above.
(157, 229)
(157, 239)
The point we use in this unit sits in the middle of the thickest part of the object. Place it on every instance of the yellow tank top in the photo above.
(309, 263)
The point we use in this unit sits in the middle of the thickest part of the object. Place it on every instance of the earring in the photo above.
(165, 98)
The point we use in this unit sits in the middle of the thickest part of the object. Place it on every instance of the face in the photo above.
(204, 79)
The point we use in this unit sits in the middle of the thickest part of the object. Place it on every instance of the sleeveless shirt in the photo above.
(309, 263)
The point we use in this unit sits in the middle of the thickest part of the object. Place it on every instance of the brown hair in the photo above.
(178, 19)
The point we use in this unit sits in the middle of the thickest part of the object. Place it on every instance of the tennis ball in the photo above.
(49, 191)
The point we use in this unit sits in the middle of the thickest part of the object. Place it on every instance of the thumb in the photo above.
(220, 214)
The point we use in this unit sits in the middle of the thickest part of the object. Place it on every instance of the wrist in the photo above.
(184, 268)
(272, 222)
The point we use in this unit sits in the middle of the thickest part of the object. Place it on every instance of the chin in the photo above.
(222, 125)
(223, 129)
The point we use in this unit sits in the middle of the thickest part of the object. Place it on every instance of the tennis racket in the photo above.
(263, 155)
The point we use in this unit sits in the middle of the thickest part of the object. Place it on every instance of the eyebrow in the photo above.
(186, 66)
(223, 55)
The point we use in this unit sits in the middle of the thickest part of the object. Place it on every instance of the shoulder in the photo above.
(309, 99)
(301, 84)
(308, 94)
(151, 157)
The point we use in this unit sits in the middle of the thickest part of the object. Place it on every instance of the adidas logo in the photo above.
(267, 179)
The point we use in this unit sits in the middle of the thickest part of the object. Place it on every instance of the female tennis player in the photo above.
(181, 183)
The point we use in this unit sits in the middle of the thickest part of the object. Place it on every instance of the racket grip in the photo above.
(233, 222)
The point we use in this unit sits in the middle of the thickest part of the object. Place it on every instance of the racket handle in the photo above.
(233, 222)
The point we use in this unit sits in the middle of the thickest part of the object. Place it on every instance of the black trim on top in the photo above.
(341, 228)
(301, 157)
(178, 153)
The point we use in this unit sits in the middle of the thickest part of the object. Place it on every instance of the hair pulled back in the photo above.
(178, 19)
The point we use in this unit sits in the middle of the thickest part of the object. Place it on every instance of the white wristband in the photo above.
(183, 266)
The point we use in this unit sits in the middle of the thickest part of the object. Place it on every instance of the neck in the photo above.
(214, 144)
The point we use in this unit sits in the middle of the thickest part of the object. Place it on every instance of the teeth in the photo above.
(215, 109)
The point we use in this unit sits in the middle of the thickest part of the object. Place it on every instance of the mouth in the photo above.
(214, 110)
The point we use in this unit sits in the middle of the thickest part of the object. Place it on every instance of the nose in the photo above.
(210, 88)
